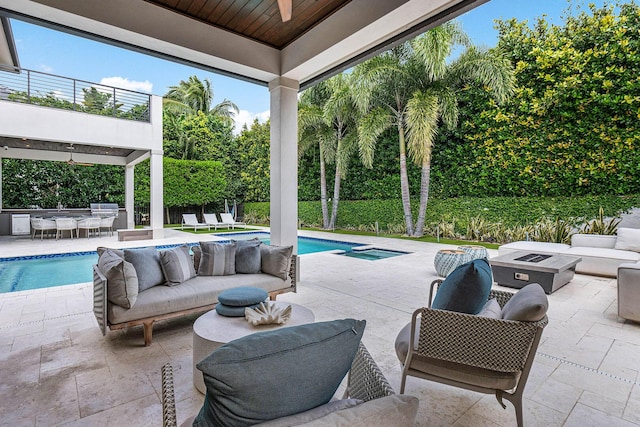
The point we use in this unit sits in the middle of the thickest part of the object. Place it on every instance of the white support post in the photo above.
(156, 209)
(128, 195)
(284, 162)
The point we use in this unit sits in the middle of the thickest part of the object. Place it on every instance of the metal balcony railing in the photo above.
(48, 90)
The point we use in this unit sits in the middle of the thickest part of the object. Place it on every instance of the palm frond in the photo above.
(370, 127)
(422, 125)
(487, 67)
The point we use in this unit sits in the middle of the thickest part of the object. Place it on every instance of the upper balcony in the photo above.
(49, 90)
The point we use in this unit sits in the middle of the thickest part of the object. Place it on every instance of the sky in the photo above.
(42, 49)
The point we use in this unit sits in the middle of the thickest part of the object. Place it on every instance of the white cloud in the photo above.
(125, 83)
(247, 117)
(46, 68)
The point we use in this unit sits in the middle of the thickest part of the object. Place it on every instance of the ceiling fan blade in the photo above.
(285, 9)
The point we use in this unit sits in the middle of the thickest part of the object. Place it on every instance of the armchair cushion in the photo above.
(491, 309)
(217, 259)
(273, 374)
(312, 414)
(177, 266)
(466, 289)
(529, 304)
(146, 261)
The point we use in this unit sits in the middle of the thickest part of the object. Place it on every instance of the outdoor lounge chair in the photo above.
(473, 352)
(227, 218)
(191, 221)
(212, 220)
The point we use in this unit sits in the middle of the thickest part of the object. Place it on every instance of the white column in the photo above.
(284, 162)
(128, 195)
(157, 189)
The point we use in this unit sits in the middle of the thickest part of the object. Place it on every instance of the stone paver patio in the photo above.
(57, 369)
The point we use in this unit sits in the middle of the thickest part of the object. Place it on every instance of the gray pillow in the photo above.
(491, 309)
(177, 265)
(275, 260)
(529, 304)
(197, 254)
(217, 259)
(404, 339)
(276, 373)
(146, 261)
(312, 414)
(102, 249)
(122, 280)
(248, 260)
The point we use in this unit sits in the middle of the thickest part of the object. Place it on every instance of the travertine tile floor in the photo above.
(57, 369)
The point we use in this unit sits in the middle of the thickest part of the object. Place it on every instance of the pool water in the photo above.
(45, 271)
(373, 254)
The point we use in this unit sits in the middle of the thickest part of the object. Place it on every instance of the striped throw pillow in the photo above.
(217, 259)
(177, 266)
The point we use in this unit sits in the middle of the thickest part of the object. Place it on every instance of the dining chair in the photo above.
(89, 224)
(66, 224)
(107, 223)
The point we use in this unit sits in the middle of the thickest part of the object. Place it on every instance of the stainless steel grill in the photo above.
(104, 209)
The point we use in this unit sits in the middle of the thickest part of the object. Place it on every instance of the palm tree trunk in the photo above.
(323, 191)
(424, 197)
(404, 180)
(336, 199)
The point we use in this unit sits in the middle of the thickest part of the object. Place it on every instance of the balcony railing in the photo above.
(48, 90)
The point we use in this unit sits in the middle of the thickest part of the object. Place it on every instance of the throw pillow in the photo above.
(197, 254)
(272, 374)
(628, 239)
(146, 261)
(466, 289)
(102, 249)
(177, 266)
(248, 256)
(491, 309)
(122, 280)
(275, 260)
(529, 304)
(217, 259)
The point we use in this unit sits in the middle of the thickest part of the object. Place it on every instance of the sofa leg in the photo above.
(148, 331)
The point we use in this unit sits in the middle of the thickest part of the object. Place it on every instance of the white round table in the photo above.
(211, 331)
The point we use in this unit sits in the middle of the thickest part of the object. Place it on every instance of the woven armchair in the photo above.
(365, 381)
(492, 356)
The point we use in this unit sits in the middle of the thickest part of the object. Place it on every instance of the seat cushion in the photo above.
(275, 260)
(146, 261)
(529, 304)
(217, 259)
(628, 239)
(177, 266)
(242, 296)
(269, 375)
(466, 289)
(231, 311)
(312, 414)
(538, 247)
(248, 260)
(122, 280)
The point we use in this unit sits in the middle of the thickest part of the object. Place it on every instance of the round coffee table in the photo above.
(211, 331)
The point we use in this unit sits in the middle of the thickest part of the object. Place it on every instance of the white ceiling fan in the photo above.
(72, 162)
(285, 9)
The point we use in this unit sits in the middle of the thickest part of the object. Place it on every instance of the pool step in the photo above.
(135, 234)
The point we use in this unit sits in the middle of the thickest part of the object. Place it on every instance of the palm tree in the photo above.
(189, 97)
(327, 116)
(414, 88)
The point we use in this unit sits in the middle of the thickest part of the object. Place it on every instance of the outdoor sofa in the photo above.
(140, 286)
(601, 254)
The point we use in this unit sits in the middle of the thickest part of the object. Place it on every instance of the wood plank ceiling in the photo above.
(259, 20)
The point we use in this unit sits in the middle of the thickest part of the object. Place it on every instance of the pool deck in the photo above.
(57, 369)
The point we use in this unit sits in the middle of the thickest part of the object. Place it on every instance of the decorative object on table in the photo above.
(233, 302)
(446, 260)
(476, 252)
(266, 314)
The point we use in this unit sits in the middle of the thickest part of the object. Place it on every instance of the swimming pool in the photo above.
(45, 271)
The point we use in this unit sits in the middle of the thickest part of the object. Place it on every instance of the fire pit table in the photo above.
(518, 269)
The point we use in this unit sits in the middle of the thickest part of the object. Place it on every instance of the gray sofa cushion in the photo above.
(146, 261)
(273, 374)
(217, 259)
(197, 292)
(248, 260)
(121, 277)
(529, 304)
(177, 265)
(312, 414)
(275, 260)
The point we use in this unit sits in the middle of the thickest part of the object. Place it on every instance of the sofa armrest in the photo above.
(593, 241)
(100, 299)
